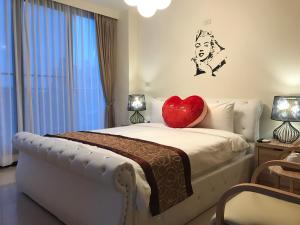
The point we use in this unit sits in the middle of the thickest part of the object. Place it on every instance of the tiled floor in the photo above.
(18, 209)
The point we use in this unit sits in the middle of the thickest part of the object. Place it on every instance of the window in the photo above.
(8, 125)
(46, 74)
(61, 76)
(86, 71)
(60, 85)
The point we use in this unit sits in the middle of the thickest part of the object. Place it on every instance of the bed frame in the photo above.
(85, 187)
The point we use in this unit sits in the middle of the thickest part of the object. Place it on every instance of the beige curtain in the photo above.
(106, 42)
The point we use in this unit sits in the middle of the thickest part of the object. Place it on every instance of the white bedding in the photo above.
(206, 148)
(81, 184)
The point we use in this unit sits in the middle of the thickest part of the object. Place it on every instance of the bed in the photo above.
(85, 185)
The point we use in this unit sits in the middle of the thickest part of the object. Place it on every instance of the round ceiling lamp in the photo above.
(162, 4)
(131, 2)
(146, 8)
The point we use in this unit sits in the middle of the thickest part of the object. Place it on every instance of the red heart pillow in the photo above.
(179, 113)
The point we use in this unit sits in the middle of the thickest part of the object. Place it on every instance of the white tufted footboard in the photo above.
(78, 185)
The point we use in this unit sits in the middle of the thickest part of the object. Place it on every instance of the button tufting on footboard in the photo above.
(80, 159)
(103, 169)
(85, 163)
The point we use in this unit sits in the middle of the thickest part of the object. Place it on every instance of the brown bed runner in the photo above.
(167, 169)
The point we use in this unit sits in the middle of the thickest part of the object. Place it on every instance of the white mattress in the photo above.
(207, 149)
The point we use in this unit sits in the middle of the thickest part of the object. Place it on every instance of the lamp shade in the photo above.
(286, 108)
(136, 102)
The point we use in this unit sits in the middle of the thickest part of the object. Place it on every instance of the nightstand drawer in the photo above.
(264, 155)
(267, 154)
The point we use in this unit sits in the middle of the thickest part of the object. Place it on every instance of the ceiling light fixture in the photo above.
(148, 8)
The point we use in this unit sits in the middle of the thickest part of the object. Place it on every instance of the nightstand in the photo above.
(273, 151)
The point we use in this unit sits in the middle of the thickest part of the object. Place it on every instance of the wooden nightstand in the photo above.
(273, 151)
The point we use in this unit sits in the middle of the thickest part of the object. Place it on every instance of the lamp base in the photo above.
(286, 133)
(137, 118)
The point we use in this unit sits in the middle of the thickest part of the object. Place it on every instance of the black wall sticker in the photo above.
(209, 55)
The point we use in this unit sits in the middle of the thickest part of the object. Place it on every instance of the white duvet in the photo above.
(206, 148)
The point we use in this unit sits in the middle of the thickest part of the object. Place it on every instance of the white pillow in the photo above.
(156, 111)
(219, 116)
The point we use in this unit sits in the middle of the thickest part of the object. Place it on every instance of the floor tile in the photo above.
(18, 209)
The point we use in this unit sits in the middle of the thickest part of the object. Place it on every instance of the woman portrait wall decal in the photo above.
(209, 55)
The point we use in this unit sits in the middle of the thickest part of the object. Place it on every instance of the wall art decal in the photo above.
(209, 54)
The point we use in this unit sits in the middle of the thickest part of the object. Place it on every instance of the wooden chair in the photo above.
(254, 204)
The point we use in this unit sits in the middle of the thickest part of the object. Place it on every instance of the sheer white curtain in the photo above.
(8, 123)
(87, 79)
(62, 85)
(57, 86)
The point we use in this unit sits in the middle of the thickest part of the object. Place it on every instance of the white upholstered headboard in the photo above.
(246, 115)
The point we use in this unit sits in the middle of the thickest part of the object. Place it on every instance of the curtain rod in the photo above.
(91, 7)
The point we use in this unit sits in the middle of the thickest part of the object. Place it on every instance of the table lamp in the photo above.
(287, 110)
(136, 103)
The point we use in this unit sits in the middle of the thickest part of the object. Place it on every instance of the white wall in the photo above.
(261, 37)
(126, 63)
